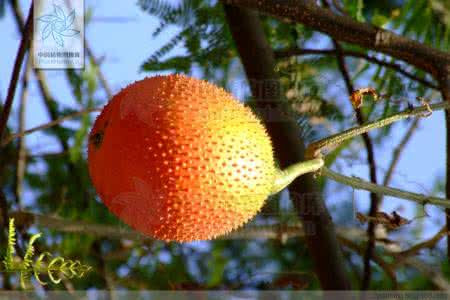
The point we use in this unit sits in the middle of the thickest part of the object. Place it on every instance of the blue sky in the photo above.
(124, 45)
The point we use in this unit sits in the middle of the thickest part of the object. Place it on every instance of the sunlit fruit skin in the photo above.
(179, 159)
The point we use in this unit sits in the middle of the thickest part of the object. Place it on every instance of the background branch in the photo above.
(21, 145)
(47, 125)
(374, 199)
(344, 28)
(444, 81)
(346, 237)
(23, 47)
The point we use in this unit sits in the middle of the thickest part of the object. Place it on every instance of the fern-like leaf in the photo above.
(27, 264)
(37, 267)
(53, 267)
(9, 257)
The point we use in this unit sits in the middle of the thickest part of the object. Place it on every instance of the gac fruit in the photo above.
(180, 159)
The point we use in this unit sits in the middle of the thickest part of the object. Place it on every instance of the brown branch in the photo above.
(4, 116)
(21, 146)
(444, 81)
(50, 124)
(345, 235)
(49, 101)
(435, 277)
(257, 58)
(4, 214)
(280, 232)
(346, 29)
(378, 260)
(349, 53)
(432, 274)
(374, 198)
(23, 47)
(427, 244)
(101, 76)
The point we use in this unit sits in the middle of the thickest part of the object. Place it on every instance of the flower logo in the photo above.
(58, 25)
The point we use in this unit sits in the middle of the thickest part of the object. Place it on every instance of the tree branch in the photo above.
(374, 199)
(444, 82)
(49, 101)
(101, 76)
(23, 47)
(279, 232)
(378, 260)
(50, 124)
(430, 243)
(21, 145)
(344, 28)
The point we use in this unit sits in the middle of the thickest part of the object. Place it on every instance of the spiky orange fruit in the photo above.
(180, 159)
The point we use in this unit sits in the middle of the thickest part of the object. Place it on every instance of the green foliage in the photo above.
(8, 259)
(202, 35)
(27, 266)
(355, 9)
(433, 28)
(2, 8)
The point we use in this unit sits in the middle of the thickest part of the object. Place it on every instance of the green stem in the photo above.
(286, 176)
(314, 149)
(358, 183)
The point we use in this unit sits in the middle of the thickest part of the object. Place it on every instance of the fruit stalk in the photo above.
(286, 176)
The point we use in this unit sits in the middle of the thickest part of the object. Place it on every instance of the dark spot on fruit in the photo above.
(96, 139)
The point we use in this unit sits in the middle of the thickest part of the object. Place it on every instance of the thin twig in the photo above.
(23, 47)
(398, 151)
(48, 125)
(49, 100)
(21, 148)
(431, 273)
(280, 232)
(374, 198)
(101, 76)
(378, 260)
(4, 217)
(249, 232)
(361, 184)
(444, 83)
(350, 53)
(427, 244)
(3, 210)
